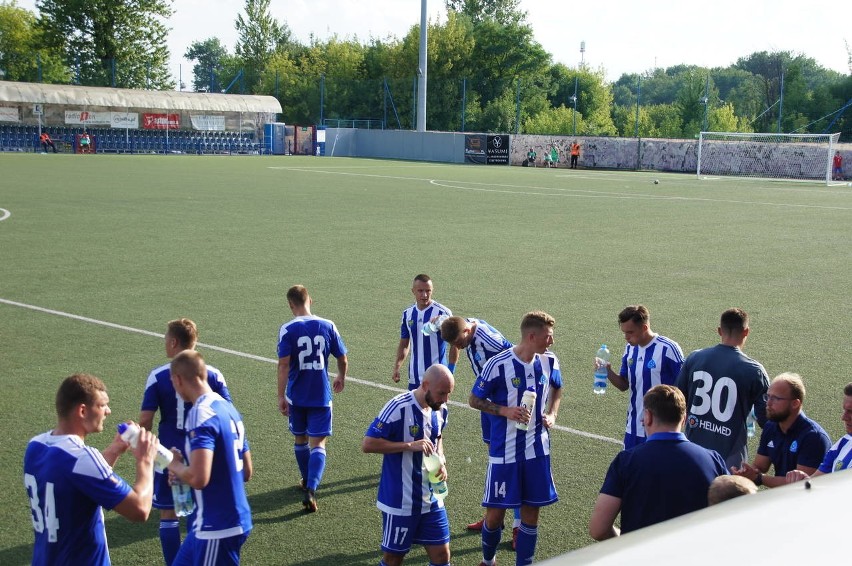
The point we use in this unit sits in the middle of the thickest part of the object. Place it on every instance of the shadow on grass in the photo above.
(270, 501)
(16, 555)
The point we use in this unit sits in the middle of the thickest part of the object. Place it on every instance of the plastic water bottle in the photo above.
(130, 434)
(751, 423)
(434, 326)
(182, 496)
(601, 374)
(181, 492)
(433, 464)
(527, 402)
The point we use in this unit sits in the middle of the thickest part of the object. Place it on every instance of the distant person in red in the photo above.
(46, 142)
(837, 174)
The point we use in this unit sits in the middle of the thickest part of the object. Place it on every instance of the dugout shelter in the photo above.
(128, 120)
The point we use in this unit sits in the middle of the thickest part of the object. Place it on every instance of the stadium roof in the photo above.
(72, 95)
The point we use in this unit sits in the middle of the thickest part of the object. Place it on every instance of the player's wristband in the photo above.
(452, 368)
(758, 481)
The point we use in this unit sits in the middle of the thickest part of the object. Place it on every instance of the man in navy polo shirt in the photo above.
(790, 440)
(663, 478)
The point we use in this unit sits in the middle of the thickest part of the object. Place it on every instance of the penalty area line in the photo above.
(4, 214)
(256, 358)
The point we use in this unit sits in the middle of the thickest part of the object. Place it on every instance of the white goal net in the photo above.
(804, 157)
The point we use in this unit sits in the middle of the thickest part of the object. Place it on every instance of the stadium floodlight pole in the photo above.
(781, 102)
(574, 100)
(421, 71)
(464, 102)
(705, 100)
(518, 108)
(638, 96)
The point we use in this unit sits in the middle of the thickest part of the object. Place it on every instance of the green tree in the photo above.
(210, 56)
(556, 121)
(110, 41)
(504, 12)
(22, 57)
(260, 35)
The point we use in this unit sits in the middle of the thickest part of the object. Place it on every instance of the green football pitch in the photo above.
(98, 252)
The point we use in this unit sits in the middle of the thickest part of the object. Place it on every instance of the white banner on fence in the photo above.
(9, 114)
(204, 122)
(86, 118)
(125, 120)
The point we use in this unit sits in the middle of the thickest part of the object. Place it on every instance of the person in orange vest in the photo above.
(575, 154)
(46, 142)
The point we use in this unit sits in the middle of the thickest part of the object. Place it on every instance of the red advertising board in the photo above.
(161, 121)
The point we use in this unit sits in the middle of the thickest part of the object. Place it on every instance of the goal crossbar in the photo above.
(799, 157)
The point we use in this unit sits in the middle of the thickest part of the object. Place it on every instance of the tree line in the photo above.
(486, 72)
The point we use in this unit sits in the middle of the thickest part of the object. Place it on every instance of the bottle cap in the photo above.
(530, 389)
(122, 428)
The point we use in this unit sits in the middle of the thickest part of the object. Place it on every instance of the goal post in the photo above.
(796, 157)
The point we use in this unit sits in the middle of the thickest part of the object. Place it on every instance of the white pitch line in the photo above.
(562, 192)
(262, 359)
(5, 214)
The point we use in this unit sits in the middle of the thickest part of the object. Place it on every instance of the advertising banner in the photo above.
(203, 122)
(125, 120)
(161, 121)
(498, 149)
(9, 114)
(474, 149)
(86, 118)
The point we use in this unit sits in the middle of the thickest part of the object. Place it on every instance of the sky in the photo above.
(621, 36)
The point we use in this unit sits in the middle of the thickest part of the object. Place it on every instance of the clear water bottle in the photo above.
(182, 496)
(434, 326)
(601, 374)
(527, 402)
(433, 464)
(129, 433)
(751, 423)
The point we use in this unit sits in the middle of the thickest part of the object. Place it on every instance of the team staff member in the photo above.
(663, 478)
(219, 464)
(790, 440)
(409, 427)
(69, 483)
(426, 350)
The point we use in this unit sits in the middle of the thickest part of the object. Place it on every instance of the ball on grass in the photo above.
(656, 181)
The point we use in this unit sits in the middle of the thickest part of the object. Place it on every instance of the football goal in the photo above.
(799, 157)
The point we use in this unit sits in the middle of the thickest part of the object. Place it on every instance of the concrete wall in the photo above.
(674, 155)
(442, 147)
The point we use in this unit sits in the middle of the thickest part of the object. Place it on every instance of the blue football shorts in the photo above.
(527, 482)
(399, 532)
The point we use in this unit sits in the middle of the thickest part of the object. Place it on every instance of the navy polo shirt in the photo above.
(804, 444)
(663, 478)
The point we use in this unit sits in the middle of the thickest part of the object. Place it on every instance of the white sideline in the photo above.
(262, 359)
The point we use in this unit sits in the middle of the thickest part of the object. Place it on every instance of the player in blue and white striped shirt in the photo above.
(649, 359)
(482, 342)
(425, 350)
(304, 393)
(219, 465)
(160, 395)
(518, 472)
(410, 426)
(839, 456)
